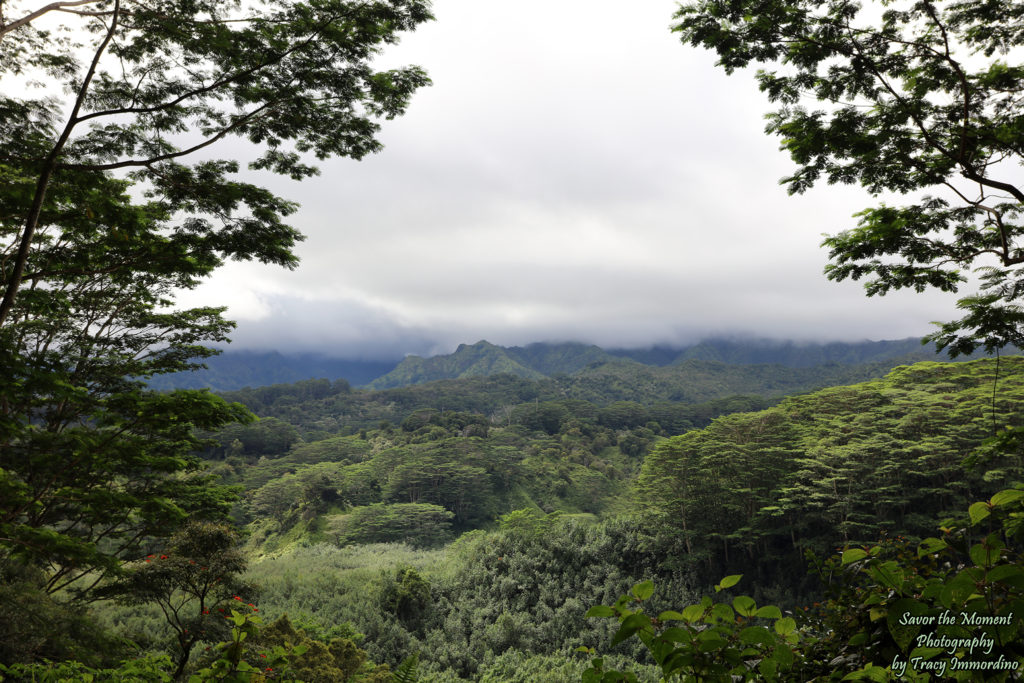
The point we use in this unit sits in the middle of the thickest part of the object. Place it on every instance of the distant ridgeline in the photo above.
(238, 369)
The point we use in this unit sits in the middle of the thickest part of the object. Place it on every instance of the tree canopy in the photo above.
(141, 87)
(110, 204)
(916, 96)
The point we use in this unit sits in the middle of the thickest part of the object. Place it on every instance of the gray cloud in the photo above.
(574, 173)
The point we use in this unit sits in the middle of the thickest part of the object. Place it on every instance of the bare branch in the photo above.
(28, 18)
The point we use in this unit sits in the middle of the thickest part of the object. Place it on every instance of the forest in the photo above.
(476, 538)
(540, 513)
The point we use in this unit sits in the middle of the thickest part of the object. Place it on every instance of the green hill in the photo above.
(481, 359)
(840, 465)
(476, 360)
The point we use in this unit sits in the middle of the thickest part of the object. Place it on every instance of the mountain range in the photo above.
(234, 370)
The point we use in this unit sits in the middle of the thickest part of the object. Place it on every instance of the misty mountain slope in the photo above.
(235, 370)
(785, 352)
(475, 360)
(694, 381)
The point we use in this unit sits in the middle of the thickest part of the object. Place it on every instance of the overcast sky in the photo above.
(574, 173)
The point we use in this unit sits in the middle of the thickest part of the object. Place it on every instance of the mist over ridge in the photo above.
(235, 369)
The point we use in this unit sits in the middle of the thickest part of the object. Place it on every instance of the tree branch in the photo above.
(28, 18)
(32, 220)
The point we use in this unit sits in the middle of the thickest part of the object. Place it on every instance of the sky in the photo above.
(574, 173)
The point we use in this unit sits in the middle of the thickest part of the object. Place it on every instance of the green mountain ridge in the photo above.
(476, 360)
(535, 361)
(539, 360)
(234, 370)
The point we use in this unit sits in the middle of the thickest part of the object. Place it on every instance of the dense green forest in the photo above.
(477, 538)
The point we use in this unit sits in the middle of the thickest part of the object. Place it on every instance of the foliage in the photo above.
(974, 568)
(86, 453)
(896, 610)
(232, 665)
(266, 436)
(839, 465)
(336, 659)
(194, 581)
(92, 465)
(406, 672)
(418, 524)
(919, 96)
(712, 641)
(36, 625)
(144, 670)
(407, 596)
(678, 397)
(276, 73)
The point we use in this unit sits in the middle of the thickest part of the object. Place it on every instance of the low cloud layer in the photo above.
(573, 173)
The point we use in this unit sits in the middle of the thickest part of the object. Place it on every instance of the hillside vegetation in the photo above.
(562, 504)
(477, 531)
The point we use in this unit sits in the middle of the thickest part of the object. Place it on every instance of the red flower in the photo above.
(163, 557)
(238, 598)
(264, 656)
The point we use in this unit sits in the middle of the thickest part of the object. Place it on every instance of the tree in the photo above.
(920, 99)
(150, 83)
(420, 524)
(195, 581)
(92, 465)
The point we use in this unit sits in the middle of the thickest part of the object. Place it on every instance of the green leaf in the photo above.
(784, 655)
(744, 605)
(693, 613)
(931, 545)
(1007, 496)
(600, 611)
(978, 511)
(769, 612)
(1012, 574)
(853, 555)
(630, 625)
(723, 612)
(677, 635)
(983, 556)
(728, 582)
(785, 626)
(757, 635)
(904, 634)
(644, 590)
(670, 615)
(869, 673)
(710, 640)
(888, 573)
